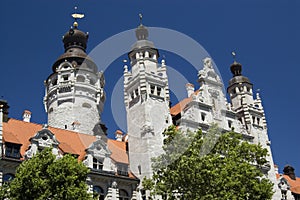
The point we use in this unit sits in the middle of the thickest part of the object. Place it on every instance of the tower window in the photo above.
(253, 119)
(132, 95)
(203, 117)
(152, 89)
(229, 123)
(92, 82)
(86, 105)
(65, 77)
(80, 79)
(240, 119)
(258, 121)
(158, 91)
(97, 164)
(54, 82)
(136, 92)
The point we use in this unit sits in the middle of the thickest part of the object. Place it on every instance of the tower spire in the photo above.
(233, 56)
(141, 19)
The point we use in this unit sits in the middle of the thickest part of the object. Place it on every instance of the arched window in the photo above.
(80, 79)
(123, 195)
(99, 192)
(8, 177)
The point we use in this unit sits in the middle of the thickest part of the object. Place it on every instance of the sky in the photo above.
(265, 34)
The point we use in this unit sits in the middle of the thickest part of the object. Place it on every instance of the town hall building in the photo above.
(74, 100)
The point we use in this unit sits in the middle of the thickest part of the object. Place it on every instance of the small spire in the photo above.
(76, 16)
(141, 18)
(233, 56)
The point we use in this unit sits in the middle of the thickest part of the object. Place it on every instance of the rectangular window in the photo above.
(229, 124)
(12, 150)
(203, 117)
(158, 91)
(152, 89)
(122, 170)
(97, 164)
(65, 77)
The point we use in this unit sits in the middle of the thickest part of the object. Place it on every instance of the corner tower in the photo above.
(146, 96)
(74, 95)
(250, 113)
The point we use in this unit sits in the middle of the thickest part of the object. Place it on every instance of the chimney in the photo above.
(119, 135)
(289, 171)
(276, 169)
(190, 89)
(4, 105)
(26, 116)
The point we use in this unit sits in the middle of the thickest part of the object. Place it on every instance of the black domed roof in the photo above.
(75, 38)
(141, 32)
(236, 69)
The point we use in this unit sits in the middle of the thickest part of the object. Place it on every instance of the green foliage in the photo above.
(212, 166)
(45, 177)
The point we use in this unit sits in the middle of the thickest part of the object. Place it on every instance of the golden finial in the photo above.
(141, 18)
(76, 16)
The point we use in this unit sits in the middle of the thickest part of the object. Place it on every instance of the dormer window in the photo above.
(12, 150)
(97, 164)
(122, 169)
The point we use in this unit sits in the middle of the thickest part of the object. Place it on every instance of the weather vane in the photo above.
(233, 55)
(77, 16)
(141, 18)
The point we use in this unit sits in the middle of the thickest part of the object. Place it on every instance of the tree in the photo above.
(45, 177)
(209, 166)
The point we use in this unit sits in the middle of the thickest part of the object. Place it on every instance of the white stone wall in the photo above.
(74, 98)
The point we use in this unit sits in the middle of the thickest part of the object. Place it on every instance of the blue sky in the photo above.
(265, 34)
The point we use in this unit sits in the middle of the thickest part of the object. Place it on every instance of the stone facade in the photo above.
(74, 100)
(75, 87)
(146, 96)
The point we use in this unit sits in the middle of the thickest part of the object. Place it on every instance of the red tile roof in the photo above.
(118, 151)
(19, 132)
(294, 184)
(175, 110)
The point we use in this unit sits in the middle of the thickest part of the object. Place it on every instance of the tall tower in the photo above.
(74, 95)
(250, 113)
(146, 96)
